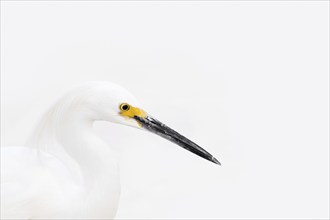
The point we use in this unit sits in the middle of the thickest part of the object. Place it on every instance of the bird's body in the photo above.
(66, 171)
(47, 190)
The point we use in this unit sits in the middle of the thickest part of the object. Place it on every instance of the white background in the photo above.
(248, 81)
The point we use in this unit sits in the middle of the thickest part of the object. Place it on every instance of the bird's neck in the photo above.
(68, 135)
(93, 155)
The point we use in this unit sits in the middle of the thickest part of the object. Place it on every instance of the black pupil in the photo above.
(125, 107)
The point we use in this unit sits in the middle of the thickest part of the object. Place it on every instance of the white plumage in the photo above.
(66, 171)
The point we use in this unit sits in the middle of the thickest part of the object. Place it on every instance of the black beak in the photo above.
(164, 131)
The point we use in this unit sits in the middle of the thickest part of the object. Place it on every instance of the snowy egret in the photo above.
(66, 171)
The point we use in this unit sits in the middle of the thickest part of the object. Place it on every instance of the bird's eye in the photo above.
(124, 107)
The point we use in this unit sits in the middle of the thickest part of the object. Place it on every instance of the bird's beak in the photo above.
(164, 131)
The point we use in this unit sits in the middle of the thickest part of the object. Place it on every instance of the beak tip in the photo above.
(214, 160)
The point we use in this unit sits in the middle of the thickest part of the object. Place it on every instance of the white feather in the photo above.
(66, 171)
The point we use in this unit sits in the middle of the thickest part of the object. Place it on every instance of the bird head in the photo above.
(109, 102)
